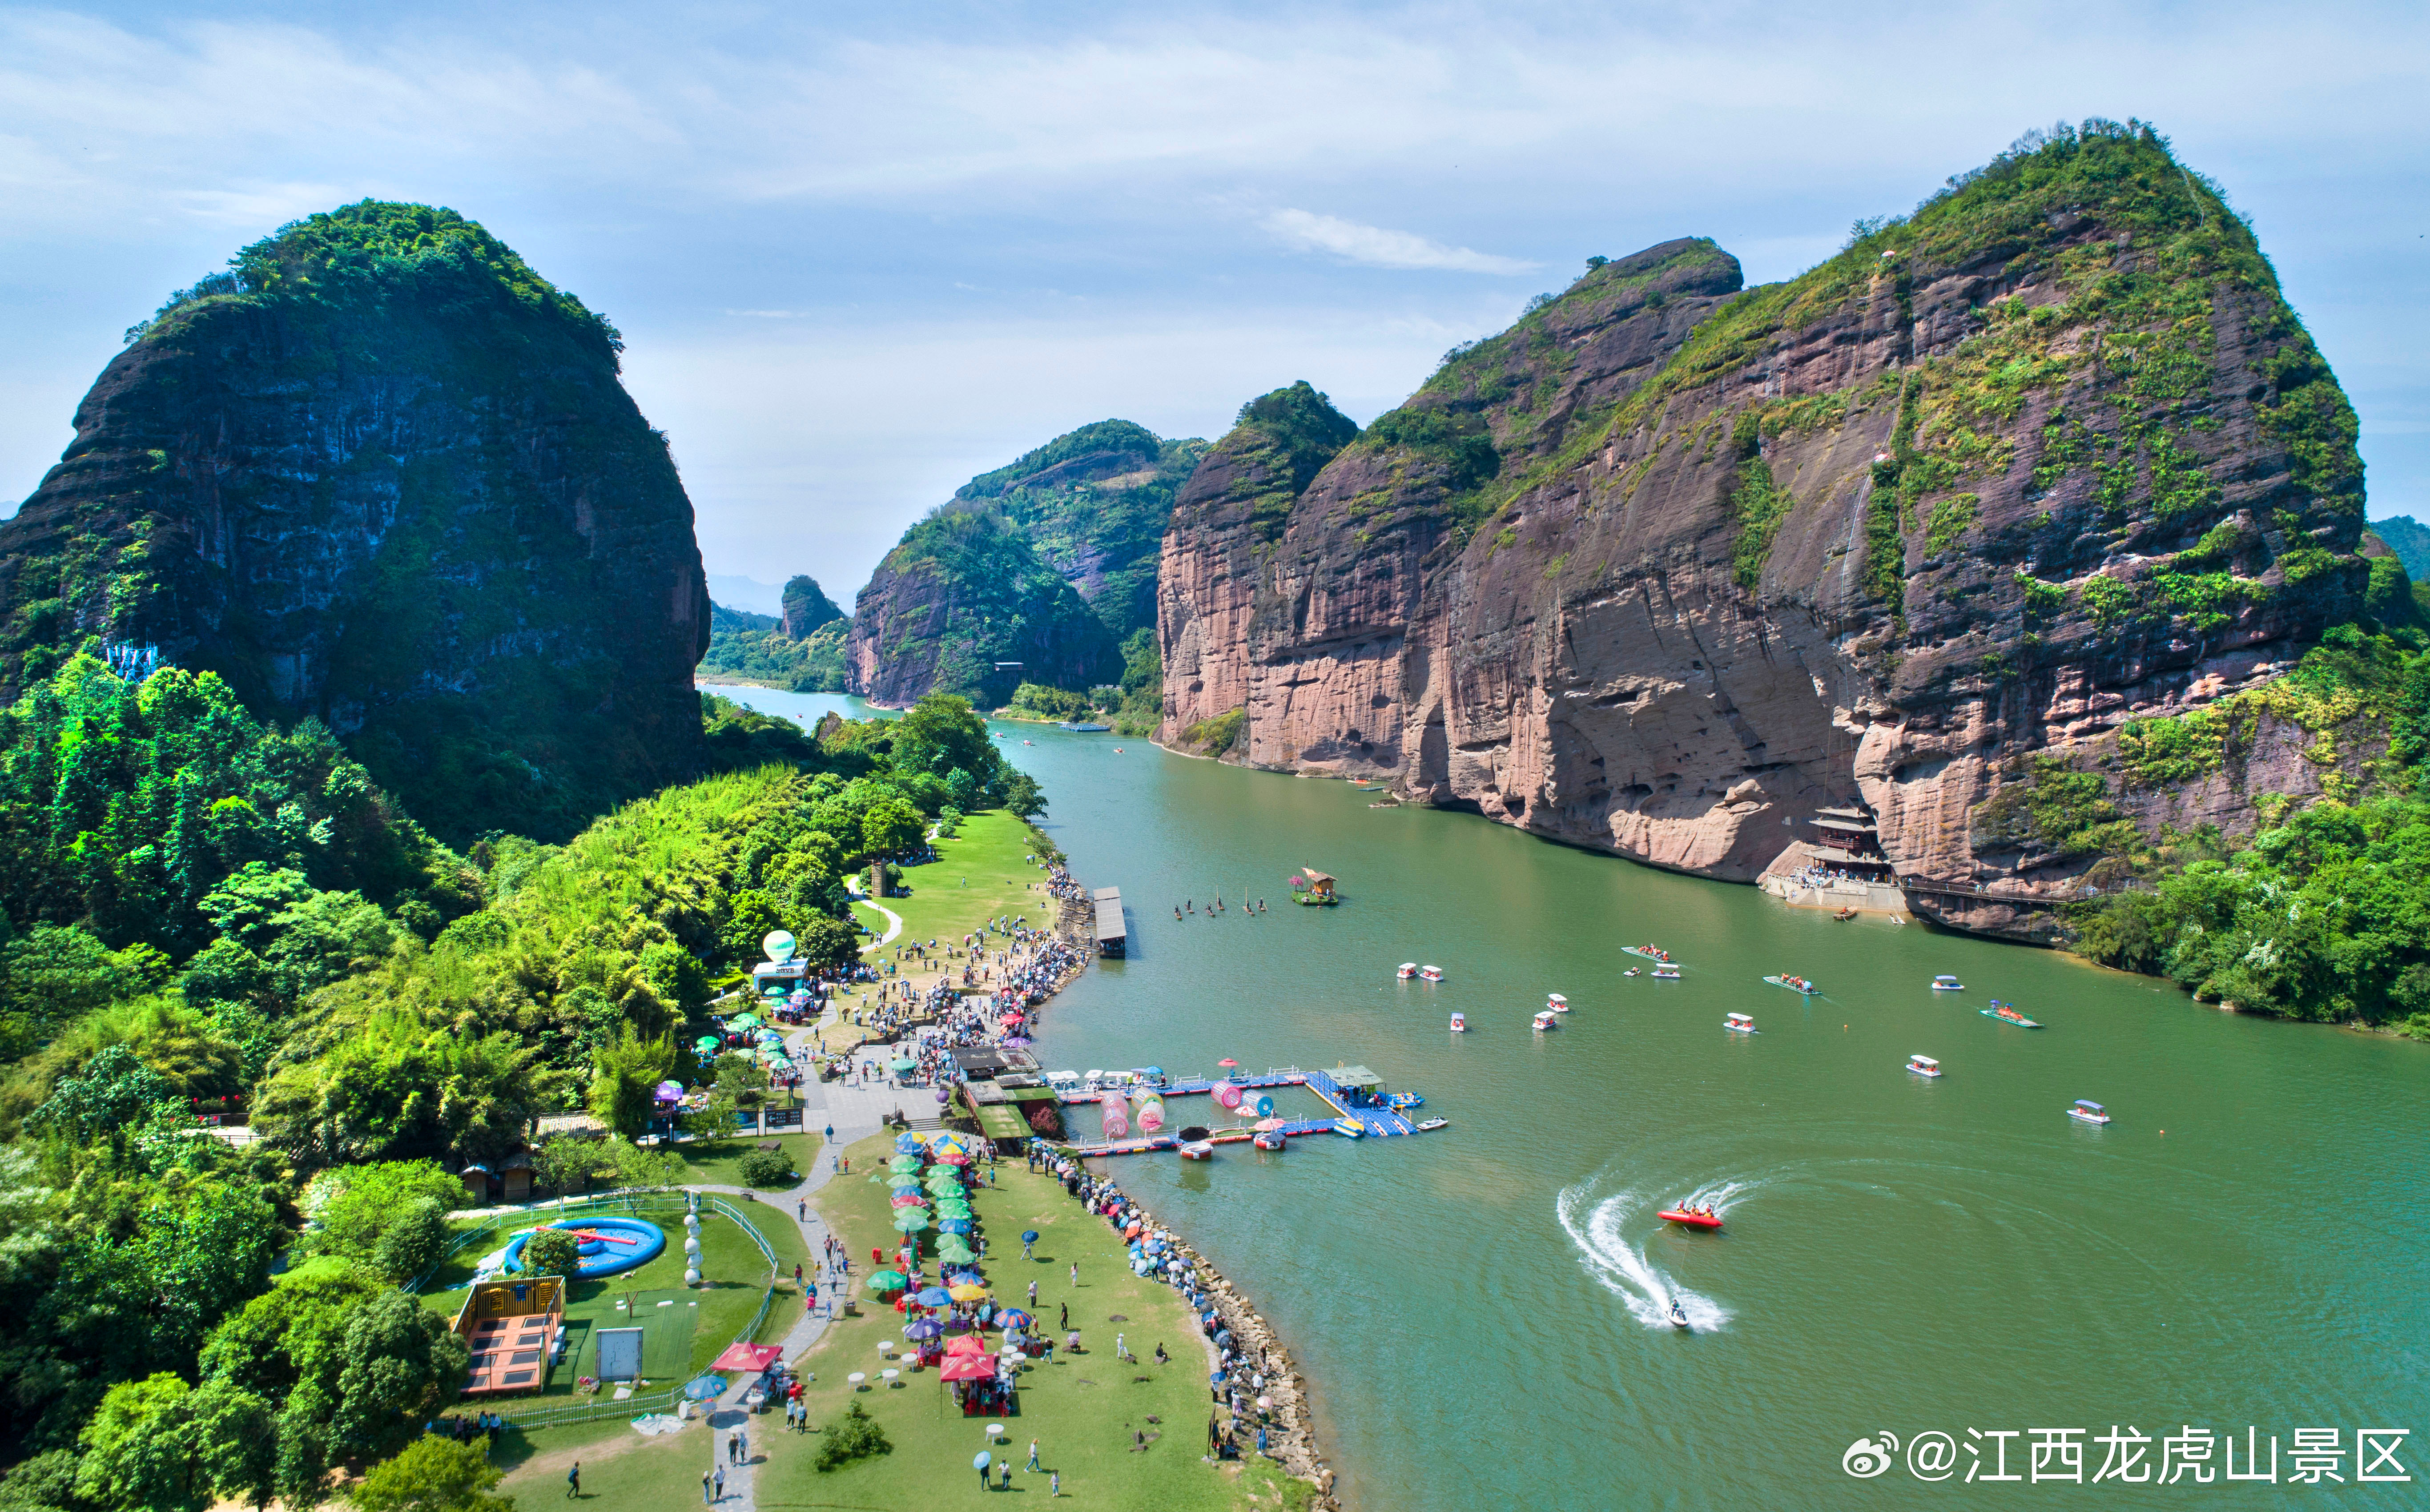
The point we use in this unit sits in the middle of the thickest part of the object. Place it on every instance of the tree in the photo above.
(113, 1093)
(565, 1162)
(551, 1251)
(712, 1122)
(624, 1081)
(413, 1242)
(160, 1445)
(767, 1168)
(355, 1204)
(1022, 797)
(751, 918)
(892, 827)
(434, 1474)
(823, 941)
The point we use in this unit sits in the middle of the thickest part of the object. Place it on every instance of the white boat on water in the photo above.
(2088, 1112)
(1923, 1064)
(1430, 1125)
(1665, 973)
(1546, 1020)
(1430, 974)
(1198, 1150)
(1407, 970)
(1740, 1024)
(1557, 1003)
(1947, 984)
(1459, 1023)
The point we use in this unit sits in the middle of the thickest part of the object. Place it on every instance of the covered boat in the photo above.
(1407, 970)
(1431, 973)
(1546, 1020)
(1923, 1064)
(1738, 1023)
(2089, 1111)
(1459, 1023)
(1947, 984)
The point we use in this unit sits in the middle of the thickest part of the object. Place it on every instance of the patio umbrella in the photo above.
(742, 1021)
(1269, 1126)
(902, 1180)
(951, 1247)
(969, 1292)
(908, 1144)
(1016, 1042)
(922, 1328)
(952, 1210)
(706, 1387)
(969, 1367)
(967, 1344)
(904, 1063)
(1014, 1317)
(934, 1297)
(1029, 1235)
(909, 1200)
(886, 1281)
(954, 1157)
(910, 1219)
(954, 1225)
(904, 1165)
(1227, 1063)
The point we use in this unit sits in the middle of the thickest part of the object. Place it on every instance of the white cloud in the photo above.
(1377, 247)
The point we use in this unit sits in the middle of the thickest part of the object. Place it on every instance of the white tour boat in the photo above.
(2088, 1112)
(1947, 984)
(1738, 1023)
(1923, 1064)
(1430, 974)
(1409, 969)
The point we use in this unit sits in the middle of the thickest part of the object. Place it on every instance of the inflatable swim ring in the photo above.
(609, 1245)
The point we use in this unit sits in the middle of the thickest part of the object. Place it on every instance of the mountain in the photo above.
(2002, 525)
(746, 594)
(383, 474)
(965, 604)
(2410, 538)
(802, 650)
(807, 608)
(1017, 566)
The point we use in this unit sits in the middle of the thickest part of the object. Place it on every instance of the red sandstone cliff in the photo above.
(1668, 566)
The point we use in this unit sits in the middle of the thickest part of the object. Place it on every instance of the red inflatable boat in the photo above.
(1692, 1219)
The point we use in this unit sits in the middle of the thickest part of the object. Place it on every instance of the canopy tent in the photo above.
(968, 1368)
(749, 1358)
(967, 1344)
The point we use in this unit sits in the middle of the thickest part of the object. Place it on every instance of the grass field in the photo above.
(1083, 1410)
(721, 1164)
(978, 874)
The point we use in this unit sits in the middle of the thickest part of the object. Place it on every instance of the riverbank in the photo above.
(1121, 1433)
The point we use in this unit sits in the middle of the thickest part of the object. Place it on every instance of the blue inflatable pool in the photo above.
(607, 1245)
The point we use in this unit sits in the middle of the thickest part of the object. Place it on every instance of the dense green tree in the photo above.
(433, 1475)
(551, 1251)
(624, 1080)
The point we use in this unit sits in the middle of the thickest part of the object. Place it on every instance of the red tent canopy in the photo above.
(967, 1344)
(968, 1368)
(751, 1358)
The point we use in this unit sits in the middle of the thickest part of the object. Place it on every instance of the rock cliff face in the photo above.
(970, 586)
(806, 608)
(1953, 528)
(383, 474)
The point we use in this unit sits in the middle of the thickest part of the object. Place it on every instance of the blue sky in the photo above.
(858, 257)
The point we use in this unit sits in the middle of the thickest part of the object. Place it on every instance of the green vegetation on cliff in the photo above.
(966, 605)
(1094, 504)
(382, 473)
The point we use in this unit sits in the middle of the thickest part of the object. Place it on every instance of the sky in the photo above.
(859, 258)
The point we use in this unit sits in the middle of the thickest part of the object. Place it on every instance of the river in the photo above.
(1480, 1310)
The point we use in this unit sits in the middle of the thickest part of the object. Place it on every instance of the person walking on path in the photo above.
(801, 1210)
(1033, 1454)
(704, 1497)
(574, 1475)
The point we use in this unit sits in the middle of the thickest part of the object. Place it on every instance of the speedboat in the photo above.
(2088, 1112)
(1795, 984)
(1409, 969)
(1947, 984)
(1738, 1023)
(1923, 1064)
(1431, 1124)
(2006, 1013)
(1430, 974)
(1459, 1023)
(1693, 1217)
(1665, 973)
(1198, 1150)
(1678, 1316)
(1350, 1128)
(1546, 1020)
(1631, 972)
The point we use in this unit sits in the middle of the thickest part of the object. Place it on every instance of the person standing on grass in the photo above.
(1054, 1483)
(704, 1497)
(1033, 1454)
(574, 1475)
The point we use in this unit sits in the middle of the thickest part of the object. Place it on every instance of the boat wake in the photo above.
(1600, 1228)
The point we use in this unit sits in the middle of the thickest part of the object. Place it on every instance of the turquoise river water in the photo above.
(1480, 1311)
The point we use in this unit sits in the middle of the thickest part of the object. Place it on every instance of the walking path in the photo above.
(893, 923)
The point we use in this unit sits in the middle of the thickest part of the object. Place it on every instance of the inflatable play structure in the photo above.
(609, 1245)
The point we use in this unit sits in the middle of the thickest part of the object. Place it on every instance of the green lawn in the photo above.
(720, 1164)
(1083, 1410)
(979, 874)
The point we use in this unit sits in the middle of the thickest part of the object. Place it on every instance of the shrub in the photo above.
(413, 1241)
(857, 1436)
(767, 1168)
(551, 1251)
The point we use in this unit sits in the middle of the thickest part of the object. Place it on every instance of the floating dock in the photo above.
(1335, 1088)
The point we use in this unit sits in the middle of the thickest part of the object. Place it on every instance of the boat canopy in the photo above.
(1923, 1060)
(1945, 979)
(1742, 1018)
(2087, 1106)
